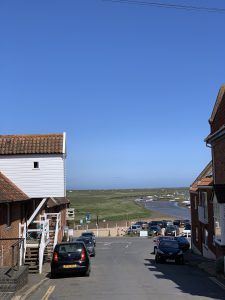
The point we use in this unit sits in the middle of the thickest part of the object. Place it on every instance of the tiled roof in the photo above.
(55, 201)
(31, 144)
(205, 178)
(9, 191)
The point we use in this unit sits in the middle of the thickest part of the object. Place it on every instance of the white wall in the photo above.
(47, 181)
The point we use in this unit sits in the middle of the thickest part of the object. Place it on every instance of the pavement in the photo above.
(191, 259)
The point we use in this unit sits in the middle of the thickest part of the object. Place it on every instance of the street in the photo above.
(124, 269)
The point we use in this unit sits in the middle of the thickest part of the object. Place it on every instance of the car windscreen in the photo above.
(71, 248)
(87, 234)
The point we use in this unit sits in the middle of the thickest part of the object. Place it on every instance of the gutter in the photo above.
(216, 135)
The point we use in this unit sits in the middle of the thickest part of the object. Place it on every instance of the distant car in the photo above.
(143, 224)
(155, 229)
(169, 250)
(89, 243)
(167, 223)
(187, 230)
(172, 230)
(184, 222)
(159, 239)
(182, 242)
(156, 223)
(134, 229)
(70, 257)
(89, 234)
(177, 223)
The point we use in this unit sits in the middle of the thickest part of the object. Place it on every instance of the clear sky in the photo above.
(132, 86)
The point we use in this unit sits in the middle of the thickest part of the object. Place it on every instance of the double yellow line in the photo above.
(48, 293)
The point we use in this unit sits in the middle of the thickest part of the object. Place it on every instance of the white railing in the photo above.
(23, 234)
(44, 225)
(39, 236)
(57, 217)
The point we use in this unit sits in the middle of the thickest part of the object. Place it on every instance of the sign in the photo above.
(143, 233)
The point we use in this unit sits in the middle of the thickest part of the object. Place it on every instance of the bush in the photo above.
(220, 265)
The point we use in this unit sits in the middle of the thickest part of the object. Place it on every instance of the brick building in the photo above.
(32, 195)
(208, 190)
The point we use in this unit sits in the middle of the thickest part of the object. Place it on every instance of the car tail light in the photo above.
(83, 255)
(55, 257)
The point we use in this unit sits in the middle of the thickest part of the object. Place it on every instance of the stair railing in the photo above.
(57, 217)
(23, 235)
(44, 225)
(57, 227)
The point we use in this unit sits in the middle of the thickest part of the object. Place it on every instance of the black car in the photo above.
(156, 223)
(169, 250)
(171, 230)
(159, 239)
(70, 257)
(177, 223)
(155, 229)
(182, 242)
(89, 243)
(89, 234)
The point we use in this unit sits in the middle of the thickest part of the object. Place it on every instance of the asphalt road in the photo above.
(124, 269)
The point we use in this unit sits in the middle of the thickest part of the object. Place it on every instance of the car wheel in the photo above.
(87, 273)
(157, 259)
(53, 275)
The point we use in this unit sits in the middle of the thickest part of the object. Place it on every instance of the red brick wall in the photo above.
(219, 162)
(195, 222)
(219, 119)
(11, 231)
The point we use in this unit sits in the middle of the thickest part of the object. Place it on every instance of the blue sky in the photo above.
(132, 86)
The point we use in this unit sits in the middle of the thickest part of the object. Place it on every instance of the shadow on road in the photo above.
(188, 279)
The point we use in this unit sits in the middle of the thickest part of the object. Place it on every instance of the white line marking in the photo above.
(217, 282)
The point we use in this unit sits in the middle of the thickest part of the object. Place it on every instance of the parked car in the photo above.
(89, 234)
(156, 223)
(184, 222)
(134, 229)
(70, 257)
(143, 224)
(89, 243)
(187, 230)
(158, 240)
(166, 223)
(155, 229)
(177, 223)
(172, 230)
(169, 250)
(182, 242)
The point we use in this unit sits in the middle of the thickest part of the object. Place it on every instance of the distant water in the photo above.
(169, 208)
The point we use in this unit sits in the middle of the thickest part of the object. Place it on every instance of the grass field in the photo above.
(113, 205)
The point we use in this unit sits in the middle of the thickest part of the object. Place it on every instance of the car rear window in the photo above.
(72, 248)
(169, 244)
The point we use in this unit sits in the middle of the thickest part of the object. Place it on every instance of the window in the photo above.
(217, 221)
(206, 237)
(36, 165)
(204, 204)
(196, 234)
